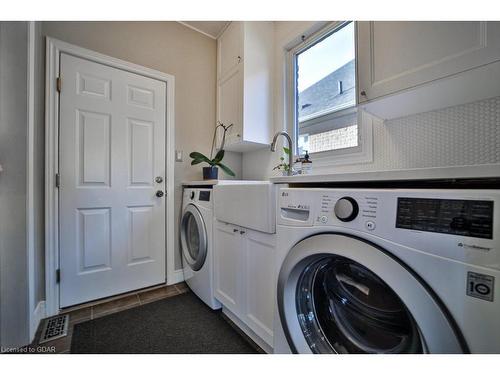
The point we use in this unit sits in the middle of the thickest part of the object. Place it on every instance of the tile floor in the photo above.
(101, 308)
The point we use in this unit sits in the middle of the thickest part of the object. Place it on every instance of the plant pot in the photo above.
(210, 173)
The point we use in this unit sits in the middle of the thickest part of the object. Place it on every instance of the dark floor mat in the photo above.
(180, 324)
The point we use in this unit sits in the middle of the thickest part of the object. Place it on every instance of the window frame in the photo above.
(351, 155)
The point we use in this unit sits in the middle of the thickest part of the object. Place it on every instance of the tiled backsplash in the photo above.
(468, 134)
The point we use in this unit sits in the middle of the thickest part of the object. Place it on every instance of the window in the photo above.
(324, 71)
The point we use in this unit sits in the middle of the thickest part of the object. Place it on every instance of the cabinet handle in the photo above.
(235, 230)
(363, 93)
(242, 232)
(239, 59)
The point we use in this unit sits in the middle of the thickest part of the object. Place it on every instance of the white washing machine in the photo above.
(388, 271)
(196, 242)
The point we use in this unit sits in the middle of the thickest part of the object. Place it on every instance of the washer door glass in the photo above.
(343, 307)
(193, 238)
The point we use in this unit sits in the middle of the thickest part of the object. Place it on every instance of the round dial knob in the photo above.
(346, 209)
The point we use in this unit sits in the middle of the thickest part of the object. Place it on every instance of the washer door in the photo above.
(193, 237)
(339, 294)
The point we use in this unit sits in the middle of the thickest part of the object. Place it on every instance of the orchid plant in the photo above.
(282, 166)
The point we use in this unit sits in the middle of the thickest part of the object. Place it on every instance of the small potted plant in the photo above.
(211, 172)
(282, 166)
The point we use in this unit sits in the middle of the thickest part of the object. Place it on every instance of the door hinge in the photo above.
(58, 84)
(58, 180)
(58, 276)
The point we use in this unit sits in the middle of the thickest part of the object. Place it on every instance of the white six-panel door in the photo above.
(112, 147)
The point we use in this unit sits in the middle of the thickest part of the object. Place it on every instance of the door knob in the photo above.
(160, 193)
(159, 180)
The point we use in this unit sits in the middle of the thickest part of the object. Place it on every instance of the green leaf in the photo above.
(226, 169)
(196, 161)
(219, 156)
(199, 156)
(286, 150)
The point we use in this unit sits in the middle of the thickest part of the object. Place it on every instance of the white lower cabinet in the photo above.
(260, 284)
(227, 267)
(244, 276)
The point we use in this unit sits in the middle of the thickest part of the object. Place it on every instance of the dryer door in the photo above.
(340, 294)
(193, 237)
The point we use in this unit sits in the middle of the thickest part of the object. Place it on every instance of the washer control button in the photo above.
(370, 225)
(346, 209)
(323, 219)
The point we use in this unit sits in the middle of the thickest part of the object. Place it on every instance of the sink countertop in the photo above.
(221, 182)
(476, 171)
(200, 183)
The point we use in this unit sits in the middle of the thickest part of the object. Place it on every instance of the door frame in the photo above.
(54, 48)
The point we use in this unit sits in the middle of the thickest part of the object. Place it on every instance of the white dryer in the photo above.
(196, 243)
(387, 271)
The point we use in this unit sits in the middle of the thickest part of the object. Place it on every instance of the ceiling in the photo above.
(209, 28)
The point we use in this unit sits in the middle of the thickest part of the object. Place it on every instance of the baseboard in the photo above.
(247, 331)
(176, 277)
(36, 317)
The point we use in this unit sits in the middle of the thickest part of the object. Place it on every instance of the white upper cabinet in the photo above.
(230, 104)
(230, 51)
(244, 84)
(395, 57)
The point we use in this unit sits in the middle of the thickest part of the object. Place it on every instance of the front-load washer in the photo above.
(196, 243)
(387, 271)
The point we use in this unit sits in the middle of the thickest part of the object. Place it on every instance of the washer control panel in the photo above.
(197, 196)
(336, 208)
(470, 218)
(324, 207)
(459, 224)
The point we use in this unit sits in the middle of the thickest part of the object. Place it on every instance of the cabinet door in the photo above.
(230, 48)
(228, 264)
(260, 283)
(393, 56)
(230, 104)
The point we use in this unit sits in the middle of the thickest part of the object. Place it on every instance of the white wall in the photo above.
(14, 310)
(463, 135)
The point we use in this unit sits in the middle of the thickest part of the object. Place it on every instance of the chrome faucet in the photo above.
(290, 147)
